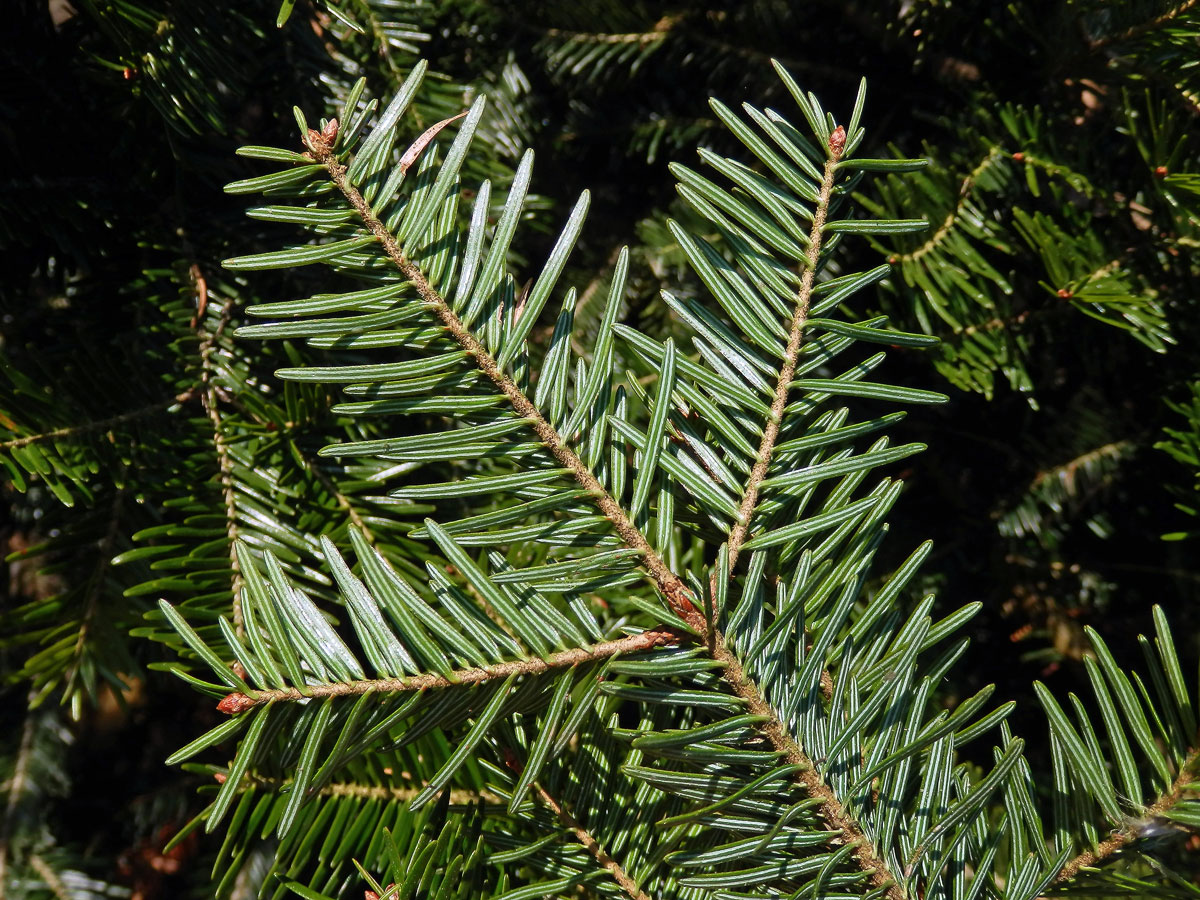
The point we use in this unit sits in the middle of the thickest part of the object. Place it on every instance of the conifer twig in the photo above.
(211, 406)
(831, 808)
(343, 502)
(95, 584)
(1143, 27)
(99, 425)
(14, 786)
(590, 844)
(677, 595)
(50, 877)
(458, 796)
(635, 643)
(766, 447)
(964, 191)
(1132, 830)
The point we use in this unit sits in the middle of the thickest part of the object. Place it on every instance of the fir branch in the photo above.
(380, 39)
(737, 536)
(1133, 827)
(675, 26)
(50, 877)
(993, 324)
(589, 843)
(101, 424)
(677, 595)
(1138, 30)
(458, 796)
(95, 585)
(1076, 180)
(1021, 317)
(211, 406)
(1107, 269)
(15, 787)
(753, 55)
(964, 191)
(237, 702)
(830, 808)
(658, 33)
(1067, 471)
(330, 485)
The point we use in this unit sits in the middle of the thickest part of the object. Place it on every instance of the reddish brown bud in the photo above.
(220, 777)
(370, 895)
(510, 760)
(837, 141)
(1160, 172)
(237, 669)
(235, 703)
(1019, 156)
(1064, 293)
(330, 131)
(128, 73)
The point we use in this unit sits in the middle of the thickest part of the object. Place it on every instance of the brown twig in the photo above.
(636, 643)
(964, 191)
(831, 808)
(50, 877)
(677, 595)
(100, 424)
(590, 844)
(1138, 30)
(458, 796)
(1130, 832)
(212, 407)
(14, 785)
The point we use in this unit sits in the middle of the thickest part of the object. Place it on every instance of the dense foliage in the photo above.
(523, 518)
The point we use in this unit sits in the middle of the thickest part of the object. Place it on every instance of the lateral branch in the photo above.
(100, 424)
(766, 447)
(458, 796)
(676, 593)
(212, 403)
(590, 844)
(830, 808)
(237, 702)
(1131, 832)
